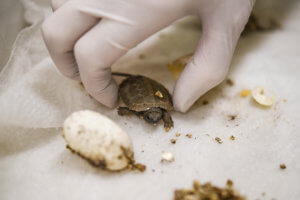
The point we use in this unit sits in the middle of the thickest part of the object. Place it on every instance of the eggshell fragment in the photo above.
(167, 157)
(98, 139)
(259, 96)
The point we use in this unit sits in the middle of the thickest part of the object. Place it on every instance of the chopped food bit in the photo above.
(205, 102)
(167, 157)
(245, 93)
(259, 96)
(108, 147)
(167, 129)
(207, 134)
(232, 117)
(232, 137)
(208, 191)
(230, 82)
(284, 100)
(282, 166)
(218, 140)
(159, 94)
(139, 167)
(189, 135)
(173, 141)
(177, 134)
(178, 65)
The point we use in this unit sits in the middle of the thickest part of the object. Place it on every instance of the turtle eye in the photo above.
(148, 119)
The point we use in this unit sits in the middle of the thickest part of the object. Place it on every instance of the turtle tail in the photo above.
(121, 74)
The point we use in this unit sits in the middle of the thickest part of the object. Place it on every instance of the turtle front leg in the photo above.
(125, 111)
(168, 122)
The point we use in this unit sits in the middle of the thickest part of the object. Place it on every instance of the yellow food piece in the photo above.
(245, 93)
(178, 65)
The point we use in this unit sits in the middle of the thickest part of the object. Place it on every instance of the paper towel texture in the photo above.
(35, 99)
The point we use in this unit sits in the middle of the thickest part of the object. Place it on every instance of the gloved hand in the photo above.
(85, 37)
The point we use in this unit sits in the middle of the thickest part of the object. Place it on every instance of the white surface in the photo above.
(34, 163)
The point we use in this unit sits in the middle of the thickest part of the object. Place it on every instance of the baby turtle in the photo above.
(145, 98)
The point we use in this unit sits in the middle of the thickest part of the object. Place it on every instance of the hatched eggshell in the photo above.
(98, 139)
(260, 97)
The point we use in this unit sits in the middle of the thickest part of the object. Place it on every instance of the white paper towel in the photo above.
(34, 163)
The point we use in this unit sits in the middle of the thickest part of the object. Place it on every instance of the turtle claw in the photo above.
(168, 122)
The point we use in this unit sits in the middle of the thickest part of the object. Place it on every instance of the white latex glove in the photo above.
(85, 37)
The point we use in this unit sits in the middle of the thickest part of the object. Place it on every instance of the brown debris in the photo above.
(205, 102)
(139, 167)
(189, 135)
(173, 141)
(232, 117)
(178, 134)
(229, 82)
(218, 140)
(232, 137)
(208, 192)
(282, 166)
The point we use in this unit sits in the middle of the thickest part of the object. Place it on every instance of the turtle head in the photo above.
(153, 115)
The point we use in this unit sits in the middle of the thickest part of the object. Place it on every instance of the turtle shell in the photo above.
(140, 93)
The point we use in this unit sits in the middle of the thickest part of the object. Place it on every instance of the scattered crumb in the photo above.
(173, 141)
(245, 93)
(159, 94)
(263, 194)
(142, 56)
(177, 134)
(142, 151)
(167, 157)
(189, 135)
(167, 129)
(232, 137)
(153, 170)
(208, 191)
(282, 166)
(205, 102)
(207, 134)
(284, 100)
(230, 82)
(218, 140)
(232, 117)
(139, 167)
(258, 94)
